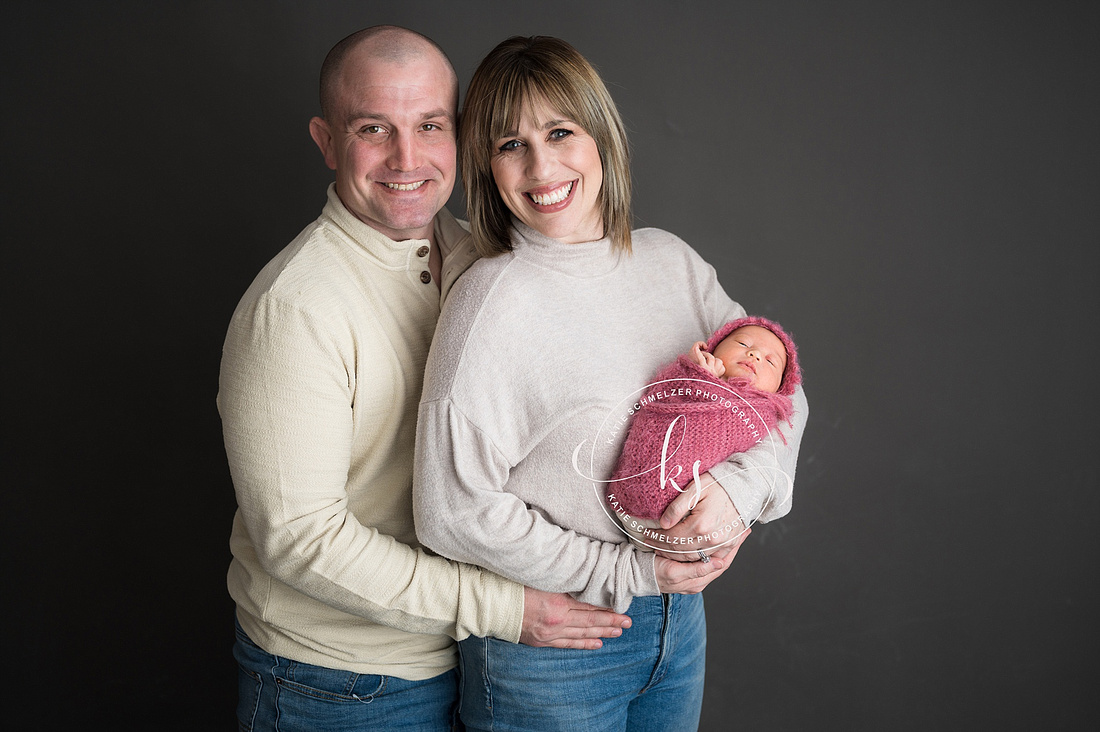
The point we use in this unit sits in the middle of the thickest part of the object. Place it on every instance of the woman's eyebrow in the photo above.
(513, 132)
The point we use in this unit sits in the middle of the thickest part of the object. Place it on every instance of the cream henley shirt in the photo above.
(321, 376)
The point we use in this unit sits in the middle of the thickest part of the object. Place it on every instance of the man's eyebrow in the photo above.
(367, 115)
(362, 115)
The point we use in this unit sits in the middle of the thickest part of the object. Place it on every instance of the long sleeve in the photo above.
(322, 369)
(463, 511)
(539, 354)
(287, 413)
(759, 481)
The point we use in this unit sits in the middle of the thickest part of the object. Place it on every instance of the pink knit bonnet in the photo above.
(792, 375)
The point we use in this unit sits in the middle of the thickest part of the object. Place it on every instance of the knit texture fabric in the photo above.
(690, 415)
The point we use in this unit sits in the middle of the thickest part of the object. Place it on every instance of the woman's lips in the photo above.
(551, 198)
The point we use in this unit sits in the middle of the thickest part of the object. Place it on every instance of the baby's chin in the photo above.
(744, 375)
(739, 381)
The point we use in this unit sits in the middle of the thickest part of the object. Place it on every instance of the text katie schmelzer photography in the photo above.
(648, 532)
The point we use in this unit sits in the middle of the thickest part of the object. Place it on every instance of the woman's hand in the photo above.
(689, 577)
(712, 522)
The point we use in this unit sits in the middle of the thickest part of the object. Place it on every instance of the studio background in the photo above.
(911, 188)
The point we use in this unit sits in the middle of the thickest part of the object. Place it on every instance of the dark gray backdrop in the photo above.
(911, 188)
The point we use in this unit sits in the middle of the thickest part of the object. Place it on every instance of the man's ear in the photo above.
(322, 135)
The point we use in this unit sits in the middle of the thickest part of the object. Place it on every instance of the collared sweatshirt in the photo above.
(320, 381)
(538, 357)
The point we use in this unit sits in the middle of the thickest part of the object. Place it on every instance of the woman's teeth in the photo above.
(547, 199)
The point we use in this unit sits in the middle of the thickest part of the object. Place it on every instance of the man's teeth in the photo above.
(405, 186)
(546, 199)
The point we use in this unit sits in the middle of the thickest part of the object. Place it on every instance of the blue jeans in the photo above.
(280, 695)
(648, 679)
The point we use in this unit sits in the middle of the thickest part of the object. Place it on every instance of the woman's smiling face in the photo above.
(549, 174)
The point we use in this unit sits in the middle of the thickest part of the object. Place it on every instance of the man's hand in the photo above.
(712, 522)
(559, 621)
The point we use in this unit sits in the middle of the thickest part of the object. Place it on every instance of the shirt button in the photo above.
(422, 251)
(425, 277)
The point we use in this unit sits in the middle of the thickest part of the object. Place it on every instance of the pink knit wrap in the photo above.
(714, 418)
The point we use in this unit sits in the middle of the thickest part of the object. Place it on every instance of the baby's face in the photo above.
(754, 353)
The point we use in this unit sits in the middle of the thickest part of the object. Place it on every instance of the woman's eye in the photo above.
(510, 145)
(560, 133)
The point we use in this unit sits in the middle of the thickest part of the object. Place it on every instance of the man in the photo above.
(337, 604)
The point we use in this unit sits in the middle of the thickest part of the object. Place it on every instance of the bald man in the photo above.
(343, 621)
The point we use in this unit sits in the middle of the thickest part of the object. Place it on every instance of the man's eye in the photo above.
(371, 129)
(431, 126)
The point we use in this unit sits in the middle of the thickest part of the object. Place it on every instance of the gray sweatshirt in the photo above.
(538, 356)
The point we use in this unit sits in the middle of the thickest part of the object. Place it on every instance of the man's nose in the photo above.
(403, 152)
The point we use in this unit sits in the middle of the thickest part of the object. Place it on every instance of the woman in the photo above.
(568, 313)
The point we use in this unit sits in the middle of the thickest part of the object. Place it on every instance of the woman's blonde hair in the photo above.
(516, 74)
